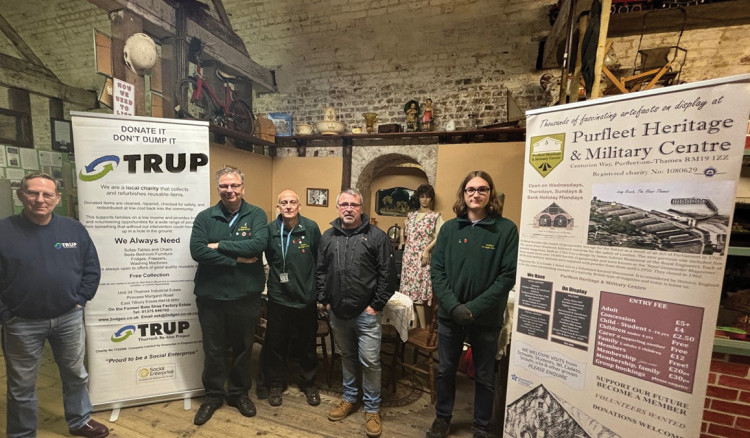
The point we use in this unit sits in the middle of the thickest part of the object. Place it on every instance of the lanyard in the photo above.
(236, 215)
(285, 250)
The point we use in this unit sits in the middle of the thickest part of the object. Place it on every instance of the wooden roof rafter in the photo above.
(221, 42)
(29, 73)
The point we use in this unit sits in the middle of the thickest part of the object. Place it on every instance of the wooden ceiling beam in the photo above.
(19, 73)
(222, 43)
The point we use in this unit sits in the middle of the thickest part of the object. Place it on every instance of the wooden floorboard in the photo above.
(294, 418)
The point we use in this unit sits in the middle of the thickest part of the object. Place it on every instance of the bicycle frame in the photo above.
(201, 83)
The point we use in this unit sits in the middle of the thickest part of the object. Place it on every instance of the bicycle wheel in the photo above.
(202, 109)
(241, 117)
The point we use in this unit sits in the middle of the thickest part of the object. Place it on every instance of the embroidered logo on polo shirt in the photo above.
(67, 245)
(488, 246)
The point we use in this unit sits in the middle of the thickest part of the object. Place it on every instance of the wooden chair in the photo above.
(324, 329)
(424, 342)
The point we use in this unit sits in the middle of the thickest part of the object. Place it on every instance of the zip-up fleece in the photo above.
(475, 265)
(355, 269)
(301, 261)
(219, 276)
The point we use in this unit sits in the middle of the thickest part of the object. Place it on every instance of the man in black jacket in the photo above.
(353, 281)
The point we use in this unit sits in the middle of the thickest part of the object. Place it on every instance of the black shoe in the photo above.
(312, 395)
(205, 412)
(481, 433)
(92, 429)
(439, 428)
(274, 398)
(243, 404)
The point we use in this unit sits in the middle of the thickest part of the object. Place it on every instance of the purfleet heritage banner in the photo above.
(141, 182)
(627, 207)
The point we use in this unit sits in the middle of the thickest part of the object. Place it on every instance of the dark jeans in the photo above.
(227, 324)
(287, 325)
(483, 341)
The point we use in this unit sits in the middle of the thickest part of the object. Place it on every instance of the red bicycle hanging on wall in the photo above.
(195, 99)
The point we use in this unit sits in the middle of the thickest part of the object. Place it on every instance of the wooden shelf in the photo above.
(247, 141)
(732, 346)
(397, 138)
(493, 134)
(739, 251)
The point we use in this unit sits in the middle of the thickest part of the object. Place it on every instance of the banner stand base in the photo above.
(114, 415)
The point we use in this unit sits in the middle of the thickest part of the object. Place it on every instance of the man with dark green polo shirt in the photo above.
(227, 241)
(292, 312)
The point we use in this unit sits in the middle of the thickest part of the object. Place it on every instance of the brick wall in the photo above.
(727, 406)
(711, 53)
(362, 55)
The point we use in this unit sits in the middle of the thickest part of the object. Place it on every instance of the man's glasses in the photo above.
(34, 195)
(229, 186)
(292, 203)
(471, 190)
(345, 205)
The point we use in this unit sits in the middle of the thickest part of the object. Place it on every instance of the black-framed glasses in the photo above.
(229, 186)
(34, 194)
(292, 202)
(471, 190)
(345, 205)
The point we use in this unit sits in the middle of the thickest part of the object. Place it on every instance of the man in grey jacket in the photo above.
(354, 274)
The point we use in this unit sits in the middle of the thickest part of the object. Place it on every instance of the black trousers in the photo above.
(225, 325)
(287, 325)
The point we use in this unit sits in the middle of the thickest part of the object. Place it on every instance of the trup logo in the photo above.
(143, 163)
(69, 245)
(99, 167)
(123, 333)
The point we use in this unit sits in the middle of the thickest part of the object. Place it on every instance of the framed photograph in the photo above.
(393, 201)
(105, 97)
(15, 128)
(62, 135)
(282, 122)
(317, 197)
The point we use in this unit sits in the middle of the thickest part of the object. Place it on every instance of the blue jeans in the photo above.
(23, 343)
(483, 341)
(358, 340)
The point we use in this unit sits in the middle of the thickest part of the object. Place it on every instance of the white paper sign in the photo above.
(123, 98)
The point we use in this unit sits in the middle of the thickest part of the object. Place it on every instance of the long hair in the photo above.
(494, 207)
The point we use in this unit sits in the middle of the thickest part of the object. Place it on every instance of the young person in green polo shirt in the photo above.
(473, 269)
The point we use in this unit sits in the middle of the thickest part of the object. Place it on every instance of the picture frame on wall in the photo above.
(393, 201)
(62, 135)
(317, 197)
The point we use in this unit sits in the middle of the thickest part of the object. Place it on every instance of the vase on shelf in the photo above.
(370, 119)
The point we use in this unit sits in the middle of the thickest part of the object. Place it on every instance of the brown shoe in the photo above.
(341, 411)
(92, 429)
(372, 424)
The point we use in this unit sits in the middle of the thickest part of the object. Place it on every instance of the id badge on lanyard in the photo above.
(284, 276)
